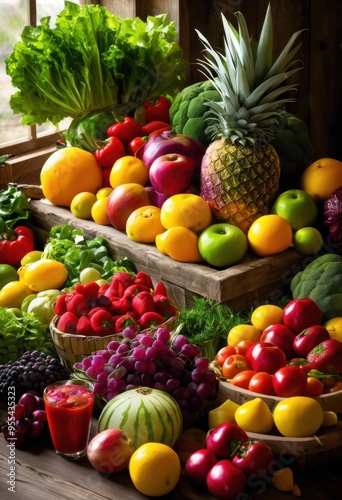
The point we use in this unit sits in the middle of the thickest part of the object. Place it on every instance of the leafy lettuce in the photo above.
(90, 61)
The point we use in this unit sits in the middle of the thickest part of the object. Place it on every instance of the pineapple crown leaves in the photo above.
(248, 80)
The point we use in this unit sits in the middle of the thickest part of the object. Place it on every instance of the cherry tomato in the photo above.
(234, 364)
(314, 387)
(224, 353)
(242, 379)
(262, 383)
(241, 347)
(289, 381)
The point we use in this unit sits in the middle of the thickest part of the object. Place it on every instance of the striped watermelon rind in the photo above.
(145, 415)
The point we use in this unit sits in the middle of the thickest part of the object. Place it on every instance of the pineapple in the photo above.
(240, 169)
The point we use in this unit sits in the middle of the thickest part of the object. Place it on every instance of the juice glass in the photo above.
(69, 407)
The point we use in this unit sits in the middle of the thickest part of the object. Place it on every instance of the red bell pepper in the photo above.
(137, 143)
(109, 151)
(102, 323)
(123, 322)
(126, 130)
(143, 279)
(150, 127)
(158, 109)
(16, 246)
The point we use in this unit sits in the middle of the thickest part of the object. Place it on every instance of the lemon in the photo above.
(298, 416)
(99, 212)
(223, 413)
(334, 327)
(243, 332)
(81, 205)
(254, 416)
(13, 294)
(266, 315)
(31, 257)
(7, 274)
(103, 192)
(155, 469)
(44, 274)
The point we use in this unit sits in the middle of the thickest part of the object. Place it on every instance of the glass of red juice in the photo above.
(69, 408)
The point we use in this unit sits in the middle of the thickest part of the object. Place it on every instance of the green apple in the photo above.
(297, 207)
(308, 240)
(222, 244)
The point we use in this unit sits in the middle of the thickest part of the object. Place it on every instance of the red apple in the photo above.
(309, 338)
(198, 465)
(299, 314)
(172, 173)
(289, 381)
(226, 481)
(110, 451)
(157, 199)
(220, 439)
(281, 336)
(123, 200)
(266, 357)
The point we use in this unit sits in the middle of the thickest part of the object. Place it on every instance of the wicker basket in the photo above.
(72, 348)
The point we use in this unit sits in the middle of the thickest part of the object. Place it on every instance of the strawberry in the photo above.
(160, 288)
(84, 326)
(60, 304)
(143, 302)
(78, 304)
(164, 306)
(143, 279)
(121, 306)
(102, 323)
(134, 289)
(150, 319)
(67, 323)
(123, 322)
(91, 290)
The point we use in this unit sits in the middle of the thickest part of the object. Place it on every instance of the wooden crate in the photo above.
(251, 282)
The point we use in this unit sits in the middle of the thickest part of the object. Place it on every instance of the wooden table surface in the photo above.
(42, 475)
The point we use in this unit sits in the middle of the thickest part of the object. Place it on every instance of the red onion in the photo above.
(333, 215)
(167, 142)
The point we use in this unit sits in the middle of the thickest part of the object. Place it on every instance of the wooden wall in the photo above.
(319, 98)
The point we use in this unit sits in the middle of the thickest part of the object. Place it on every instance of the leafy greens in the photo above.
(91, 60)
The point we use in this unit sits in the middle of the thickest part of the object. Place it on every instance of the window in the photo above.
(14, 137)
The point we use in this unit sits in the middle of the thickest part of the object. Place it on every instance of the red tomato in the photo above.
(289, 381)
(224, 353)
(265, 357)
(242, 379)
(241, 347)
(254, 458)
(337, 386)
(314, 387)
(235, 364)
(262, 383)
(303, 363)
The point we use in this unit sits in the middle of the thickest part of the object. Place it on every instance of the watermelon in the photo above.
(145, 415)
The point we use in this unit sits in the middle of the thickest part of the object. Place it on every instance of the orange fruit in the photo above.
(128, 169)
(143, 225)
(266, 315)
(322, 178)
(269, 234)
(188, 210)
(99, 211)
(81, 205)
(154, 469)
(67, 172)
(179, 243)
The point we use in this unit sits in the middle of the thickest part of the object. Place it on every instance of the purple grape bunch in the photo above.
(160, 361)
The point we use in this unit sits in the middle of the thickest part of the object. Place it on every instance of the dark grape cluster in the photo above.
(27, 419)
(158, 361)
(34, 370)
